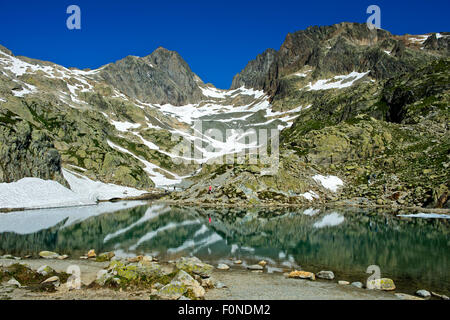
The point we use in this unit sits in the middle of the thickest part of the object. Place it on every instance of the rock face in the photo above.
(253, 76)
(338, 49)
(162, 77)
(26, 152)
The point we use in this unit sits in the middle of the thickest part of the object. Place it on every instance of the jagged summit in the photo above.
(340, 49)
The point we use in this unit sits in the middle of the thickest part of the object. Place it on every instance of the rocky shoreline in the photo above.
(105, 276)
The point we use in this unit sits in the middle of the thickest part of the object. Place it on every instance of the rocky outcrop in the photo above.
(336, 49)
(162, 77)
(254, 74)
(26, 152)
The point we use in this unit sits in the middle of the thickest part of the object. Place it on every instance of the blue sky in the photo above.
(216, 38)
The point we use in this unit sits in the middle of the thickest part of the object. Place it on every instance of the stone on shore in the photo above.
(223, 266)
(135, 259)
(207, 283)
(220, 285)
(255, 267)
(194, 265)
(190, 283)
(302, 275)
(357, 284)
(13, 283)
(45, 270)
(385, 284)
(262, 263)
(106, 256)
(423, 293)
(238, 262)
(329, 275)
(443, 297)
(91, 254)
(54, 280)
(63, 257)
(343, 282)
(48, 255)
(404, 296)
(172, 291)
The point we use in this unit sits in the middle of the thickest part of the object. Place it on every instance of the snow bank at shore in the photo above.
(35, 193)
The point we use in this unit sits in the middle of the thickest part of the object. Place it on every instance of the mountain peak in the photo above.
(161, 77)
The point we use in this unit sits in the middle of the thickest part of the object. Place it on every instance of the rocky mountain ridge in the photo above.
(363, 116)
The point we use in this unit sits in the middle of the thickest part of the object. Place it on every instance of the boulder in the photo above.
(385, 284)
(172, 291)
(190, 283)
(194, 265)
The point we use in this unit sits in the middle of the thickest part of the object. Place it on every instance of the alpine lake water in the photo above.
(412, 251)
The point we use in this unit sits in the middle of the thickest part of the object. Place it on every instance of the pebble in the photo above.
(262, 263)
(423, 293)
(343, 282)
(238, 262)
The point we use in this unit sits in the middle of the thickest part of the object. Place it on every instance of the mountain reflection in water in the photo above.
(412, 251)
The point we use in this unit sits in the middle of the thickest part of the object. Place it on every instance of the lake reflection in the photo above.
(412, 251)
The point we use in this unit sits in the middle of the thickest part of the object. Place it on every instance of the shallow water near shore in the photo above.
(413, 251)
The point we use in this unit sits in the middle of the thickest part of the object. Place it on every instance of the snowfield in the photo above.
(330, 182)
(35, 193)
(337, 82)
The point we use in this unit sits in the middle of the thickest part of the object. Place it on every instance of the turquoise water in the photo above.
(412, 251)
